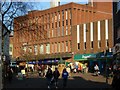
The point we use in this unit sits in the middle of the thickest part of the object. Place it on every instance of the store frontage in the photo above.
(91, 59)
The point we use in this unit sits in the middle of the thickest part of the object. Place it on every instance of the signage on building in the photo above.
(84, 56)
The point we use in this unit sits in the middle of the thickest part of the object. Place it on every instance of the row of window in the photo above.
(55, 48)
(91, 45)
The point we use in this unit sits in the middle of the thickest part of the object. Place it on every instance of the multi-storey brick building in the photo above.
(64, 31)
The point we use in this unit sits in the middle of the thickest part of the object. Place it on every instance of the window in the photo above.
(62, 31)
(58, 46)
(107, 43)
(91, 44)
(59, 23)
(66, 30)
(52, 25)
(62, 46)
(48, 48)
(41, 49)
(99, 44)
(84, 45)
(56, 24)
(52, 33)
(70, 14)
(66, 46)
(58, 31)
(55, 47)
(70, 29)
(62, 23)
(35, 50)
(78, 46)
(66, 22)
(48, 17)
(52, 47)
(62, 15)
(70, 22)
(30, 49)
(66, 14)
(52, 17)
(59, 15)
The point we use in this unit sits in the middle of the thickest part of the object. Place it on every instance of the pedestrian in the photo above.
(65, 77)
(56, 75)
(49, 76)
(96, 70)
(10, 74)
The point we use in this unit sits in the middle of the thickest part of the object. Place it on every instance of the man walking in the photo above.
(56, 75)
(49, 76)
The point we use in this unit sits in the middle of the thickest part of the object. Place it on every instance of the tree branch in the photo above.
(7, 8)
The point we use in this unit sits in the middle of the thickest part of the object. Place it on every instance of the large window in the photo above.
(62, 31)
(62, 15)
(91, 44)
(58, 46)
(35, 50)
(66, 46)
(99, 44)
(66, 30)
(78, 46)
(62, 46)
(48, 48)
(41, 49)
(30, 49)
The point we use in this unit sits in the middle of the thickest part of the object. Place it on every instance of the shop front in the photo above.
(86, 59)
(91, 59)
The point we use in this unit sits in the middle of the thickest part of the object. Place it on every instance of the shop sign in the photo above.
(84, 56)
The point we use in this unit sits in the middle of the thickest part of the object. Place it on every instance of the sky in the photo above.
(42, 5)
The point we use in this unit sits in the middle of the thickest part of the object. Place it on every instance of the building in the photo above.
(116, 24)
(57, 33)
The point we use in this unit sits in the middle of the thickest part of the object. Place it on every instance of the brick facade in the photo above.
(55, 29)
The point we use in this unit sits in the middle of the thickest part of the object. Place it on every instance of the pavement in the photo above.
(77, 80)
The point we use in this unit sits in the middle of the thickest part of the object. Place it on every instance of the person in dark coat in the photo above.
(10, 74)
(56, 75)
(49, 76)
(65, 77)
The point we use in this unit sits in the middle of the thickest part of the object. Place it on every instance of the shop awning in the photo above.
(83, 57)
(101, 55)
(47, 61)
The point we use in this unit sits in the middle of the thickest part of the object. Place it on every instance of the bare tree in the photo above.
(10, 10)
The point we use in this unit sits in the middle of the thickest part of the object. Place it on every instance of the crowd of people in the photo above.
(53, 75)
